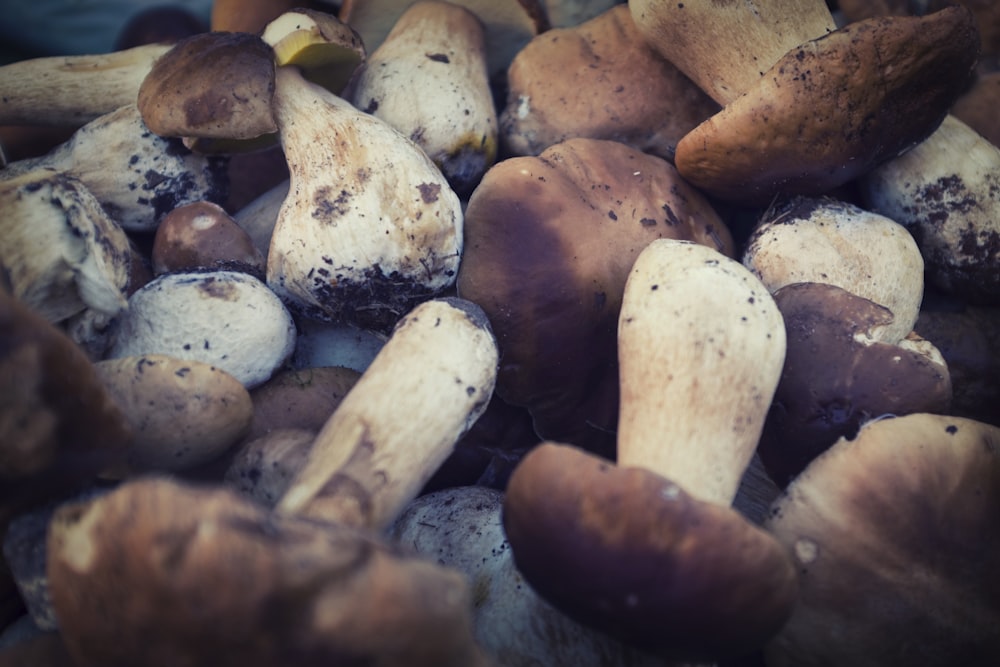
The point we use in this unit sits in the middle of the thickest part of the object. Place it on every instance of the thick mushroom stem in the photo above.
(401, 419)
(700, 349)
(725, 47)
(73, 90)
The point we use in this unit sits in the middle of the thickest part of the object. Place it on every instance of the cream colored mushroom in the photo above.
(402, 418)
(370, 225)
(225, 318)
(837, 243)
(136, 175)
(428, 80)
(64, 257)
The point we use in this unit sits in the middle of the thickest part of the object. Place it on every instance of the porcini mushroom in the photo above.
(650, 549)
(401, 418)
(893, 534)
(370, 226)
(428, 80)
(226, 318)
(202, 235)
(808, 107)
(549, 244)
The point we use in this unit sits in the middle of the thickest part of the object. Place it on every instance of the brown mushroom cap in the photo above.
(629, 552)
(895, 536)
(836, 376)
(216, 85)
(549, 242)
(202, 235)
(834, 108)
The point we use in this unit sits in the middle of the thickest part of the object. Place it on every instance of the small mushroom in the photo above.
(326, 49)
(428, 80)
(803, 116)
(265, 466)
(650, 550)
(837, 375)
(370, 226)
(549, 242)
(598, 79)
(946, 191)
(401, 418)
(302, 398)
(201, 235)
(161, 573)
(228, 319)
(894, 536)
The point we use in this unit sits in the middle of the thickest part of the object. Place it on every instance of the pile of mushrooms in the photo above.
(505, 333)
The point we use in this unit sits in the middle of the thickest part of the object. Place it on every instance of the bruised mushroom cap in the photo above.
(894, 534)
(834, 108)
(214, 85)
(549, 244)
(598, 79)
(227, 318)
(837, 376)
(629, 552)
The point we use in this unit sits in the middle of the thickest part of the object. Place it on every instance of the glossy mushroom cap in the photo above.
(894, 534)
(549, 242)
(629, 552)
(837, 376)
(834, 108)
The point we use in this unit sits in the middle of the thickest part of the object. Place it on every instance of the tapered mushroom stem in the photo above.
(428, 384)
(725, 47)
(700, 350)
(73, 90)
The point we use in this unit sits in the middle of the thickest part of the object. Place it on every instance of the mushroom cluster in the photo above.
(505, 333)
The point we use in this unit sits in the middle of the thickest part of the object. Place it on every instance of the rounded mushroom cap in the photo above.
(834, 108)
(226, 318)
(894, 535)
(203, 235)
(630, 553)
(549, 242)
(837, 376)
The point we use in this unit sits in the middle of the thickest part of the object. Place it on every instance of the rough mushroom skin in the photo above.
(370, 226)
(226, 318)
(893, 534)
(147, 175)
(824, 240)
(834, 108)
(428, 79)
(836, 376)
(161, 573)
(549, 244)
(601, 80)
(946, 191)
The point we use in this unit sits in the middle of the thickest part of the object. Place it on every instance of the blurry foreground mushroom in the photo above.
(650, 550)
(894, 535)
(161, 574)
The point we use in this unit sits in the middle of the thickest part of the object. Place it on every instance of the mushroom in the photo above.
(549, 244)
(825, 240)
(650, 550)
(808, 107)
(462, 528)
(428, 80)
(136, 175)
(202, 235)
(64, 257)
(264, 467)
(158, 572)
(838, 375)
(370, 226)
(401, 418)
(598, 79)
(228, 319)
(894, 536)
(946, 191)
(73, 90)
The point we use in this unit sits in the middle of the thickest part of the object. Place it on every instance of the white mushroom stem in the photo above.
(424, 389)
(73, 90)
(725, 47)
(701, 346)
(137, 176)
